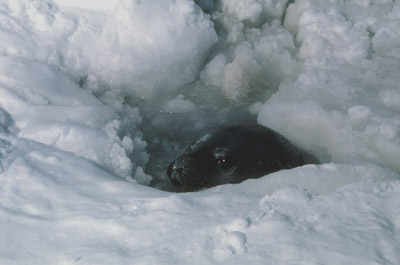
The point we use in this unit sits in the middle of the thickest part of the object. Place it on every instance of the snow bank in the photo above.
(141, 48)
(51, 214)
(315, 179)
(75, 74)
(48, 108)
(254, 52)
(343, 89)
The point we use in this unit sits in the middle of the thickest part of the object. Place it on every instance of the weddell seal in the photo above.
(232, 154)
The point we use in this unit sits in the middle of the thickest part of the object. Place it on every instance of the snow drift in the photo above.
(96, 97)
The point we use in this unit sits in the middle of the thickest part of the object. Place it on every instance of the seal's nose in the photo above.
(170, 171)
(177, 170)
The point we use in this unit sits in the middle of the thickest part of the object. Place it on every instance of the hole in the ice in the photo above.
(168, 133)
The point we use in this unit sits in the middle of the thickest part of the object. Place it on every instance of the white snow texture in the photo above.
(73, 184)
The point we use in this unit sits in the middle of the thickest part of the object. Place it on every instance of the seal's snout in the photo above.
(178, 169)
(170, 169)
(171, 172)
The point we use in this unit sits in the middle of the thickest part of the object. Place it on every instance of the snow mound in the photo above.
(48, 108)
(53, 215)
(94, 93)
(343, 88)
(315, 179)
(139, 48)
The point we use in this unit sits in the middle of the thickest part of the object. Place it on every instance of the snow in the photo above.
(98, 97)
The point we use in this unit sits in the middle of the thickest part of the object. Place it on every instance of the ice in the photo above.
(116, 42)
(98, 97)
(257, 59)
(213, 72)
(180, 104)
(170, 38)
(390, 97)
(316, 179)
(343, 95)
(251, 12)
(243, 10)
(48, 108)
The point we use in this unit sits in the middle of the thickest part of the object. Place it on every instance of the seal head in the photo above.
(232, 154)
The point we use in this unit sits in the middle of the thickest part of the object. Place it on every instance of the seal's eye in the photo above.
(225, 163)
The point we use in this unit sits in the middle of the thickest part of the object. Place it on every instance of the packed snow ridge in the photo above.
(98, 97)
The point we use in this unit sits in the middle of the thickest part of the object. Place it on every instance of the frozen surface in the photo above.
(97, 97)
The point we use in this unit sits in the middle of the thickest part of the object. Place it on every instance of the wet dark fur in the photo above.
(232, 154)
